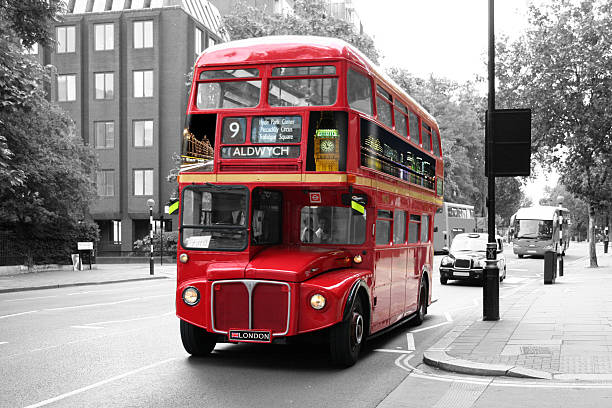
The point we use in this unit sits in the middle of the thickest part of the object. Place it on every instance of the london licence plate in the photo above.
(250, 336)
(461, 273)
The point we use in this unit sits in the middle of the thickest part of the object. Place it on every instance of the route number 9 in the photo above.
(234, 130)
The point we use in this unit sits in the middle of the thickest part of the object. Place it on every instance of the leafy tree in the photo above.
(579, 213)
(309, 18)
(46, 171)
(508, 198)
(562, 68)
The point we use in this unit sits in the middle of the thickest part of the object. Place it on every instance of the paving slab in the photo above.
(552, 332)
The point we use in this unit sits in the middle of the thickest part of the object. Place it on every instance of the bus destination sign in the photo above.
(276, 129)
(260, 152)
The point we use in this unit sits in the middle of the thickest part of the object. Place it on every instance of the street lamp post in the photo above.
(151, 204)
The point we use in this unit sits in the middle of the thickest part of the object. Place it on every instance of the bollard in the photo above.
(550, 267)
(561, 265)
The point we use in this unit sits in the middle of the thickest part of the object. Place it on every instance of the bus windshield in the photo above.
(214, 218)
(540, 229)
(225, 89)
(332, 225)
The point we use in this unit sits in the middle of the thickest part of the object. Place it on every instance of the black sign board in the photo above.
(260, 152)
(512, 143)
(276, 129)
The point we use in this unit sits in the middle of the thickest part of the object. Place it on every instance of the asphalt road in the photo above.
(119, 345)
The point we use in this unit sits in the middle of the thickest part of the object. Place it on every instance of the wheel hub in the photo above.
(357, 324)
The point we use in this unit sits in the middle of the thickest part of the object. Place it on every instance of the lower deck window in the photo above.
(332, 225)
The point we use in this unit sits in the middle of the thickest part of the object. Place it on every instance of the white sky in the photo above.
(447, 38)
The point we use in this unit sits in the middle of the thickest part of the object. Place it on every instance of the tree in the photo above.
(508, 198)
(579, 213)
(310, 18)
(562, 68)
(46, 172)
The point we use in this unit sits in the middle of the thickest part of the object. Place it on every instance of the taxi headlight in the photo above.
(482, 263)
(191, 296)
(447, 261)
(317, 301)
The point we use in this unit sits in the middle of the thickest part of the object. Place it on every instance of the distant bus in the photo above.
(535, 230)
(452, 219)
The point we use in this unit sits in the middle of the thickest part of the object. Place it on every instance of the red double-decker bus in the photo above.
(307, 193)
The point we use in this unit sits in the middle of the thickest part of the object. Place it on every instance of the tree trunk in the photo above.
(592, 237)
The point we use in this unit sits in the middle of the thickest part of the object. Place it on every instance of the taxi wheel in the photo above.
(347, 337)
(520, 255)
(443, 281)
(197, 341)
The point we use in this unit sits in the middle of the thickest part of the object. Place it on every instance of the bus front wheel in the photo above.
(197, 341)
(347, 337)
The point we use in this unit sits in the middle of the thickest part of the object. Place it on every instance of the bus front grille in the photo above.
(250, 304)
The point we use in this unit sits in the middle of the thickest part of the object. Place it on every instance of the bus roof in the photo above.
(296, 48)
(541, 212)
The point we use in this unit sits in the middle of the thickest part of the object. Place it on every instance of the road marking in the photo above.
(448, 317)
(19, 314)
(30, 298)
(410, 342)
(108, 303)
(3, 342)
(430, 327)
(127, 320)
(86, 327)
(98, 384)
(518, 270)
(394, 351)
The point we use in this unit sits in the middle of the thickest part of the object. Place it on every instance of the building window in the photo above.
(66, 88)
(143, 34)
(198, 41)
(104, 183)
(143, 84)
(143, 133)
(105, 135)
(143, 182)
(116, 232)
(66, 39)
(105, 37)
(104, 85)
(211, 41)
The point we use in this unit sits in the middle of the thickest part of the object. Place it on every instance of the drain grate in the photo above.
(535, 350)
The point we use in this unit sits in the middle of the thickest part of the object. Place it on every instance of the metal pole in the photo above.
(161, 240)
(151, 261)
(490, 286)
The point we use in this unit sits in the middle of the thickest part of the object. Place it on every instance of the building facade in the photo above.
(120, 72)
(275, 6)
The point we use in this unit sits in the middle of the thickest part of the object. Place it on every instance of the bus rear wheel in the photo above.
(197, 341)
(347, 337)
(422, 310)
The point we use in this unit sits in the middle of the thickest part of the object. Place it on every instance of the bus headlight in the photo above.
(183, 258)
(191, 296)
(447, 261)
(357, 259)
(317, 301)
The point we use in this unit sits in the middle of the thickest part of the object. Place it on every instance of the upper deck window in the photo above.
(317, 88)
(414, 127)
(436, 143)
(229, 88)
(383, 106)
(359, 92)
(426, 136)
(401, 120)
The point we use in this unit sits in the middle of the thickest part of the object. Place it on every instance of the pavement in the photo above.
(560, 331)
(100, 274)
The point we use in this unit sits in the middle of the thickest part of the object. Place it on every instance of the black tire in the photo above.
(443, 281)
(422, 309)
(520, 256)
(197, 341)
(347, 337)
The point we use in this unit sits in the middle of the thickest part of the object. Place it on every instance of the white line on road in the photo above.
(3, 342)
(128, 320)
(98, 384)
(518, 270)
(430, 327)
(30, 298)
(410, 342)
(86, 327)
(19, 314)
(448, 317)
(394, 351)
(108, 303)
